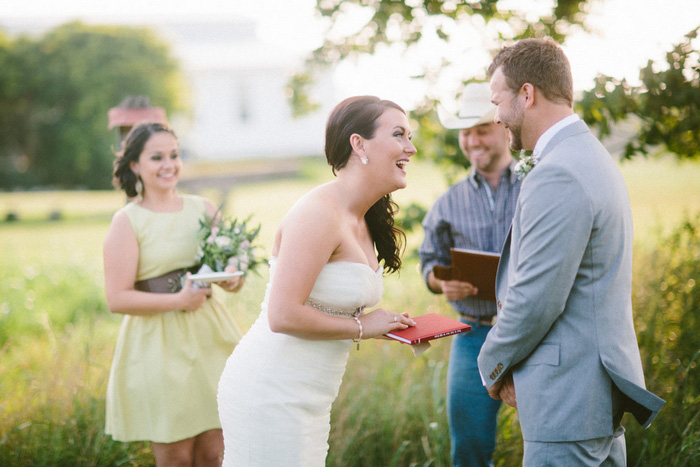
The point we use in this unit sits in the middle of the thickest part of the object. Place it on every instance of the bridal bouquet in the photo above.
(225, 241)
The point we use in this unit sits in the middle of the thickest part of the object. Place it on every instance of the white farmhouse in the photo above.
(239, 103)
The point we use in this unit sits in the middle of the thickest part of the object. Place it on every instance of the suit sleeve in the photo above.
(554, 227)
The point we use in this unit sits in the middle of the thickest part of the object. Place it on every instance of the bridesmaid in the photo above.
(276, 391)
(172, 345)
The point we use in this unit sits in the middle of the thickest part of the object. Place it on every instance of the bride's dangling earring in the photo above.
(138, 186)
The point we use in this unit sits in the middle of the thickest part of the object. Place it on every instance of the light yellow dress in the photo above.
(163, 381)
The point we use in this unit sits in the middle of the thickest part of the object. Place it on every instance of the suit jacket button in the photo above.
(499, 305)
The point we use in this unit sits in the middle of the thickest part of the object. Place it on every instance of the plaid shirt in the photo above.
(469, 215)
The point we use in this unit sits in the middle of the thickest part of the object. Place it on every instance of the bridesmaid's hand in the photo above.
(379, 322)
(232, 285)
(191, 297)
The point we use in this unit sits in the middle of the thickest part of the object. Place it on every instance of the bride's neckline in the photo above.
(355, 262)
(379, 267)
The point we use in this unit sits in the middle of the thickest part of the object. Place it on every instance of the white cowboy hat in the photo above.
(476, 108)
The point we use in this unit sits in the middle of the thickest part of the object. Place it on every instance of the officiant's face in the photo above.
(390, 149)
(159, 163)
(485, 146)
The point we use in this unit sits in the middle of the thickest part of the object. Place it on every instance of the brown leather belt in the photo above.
(167, 283)
(485, 320)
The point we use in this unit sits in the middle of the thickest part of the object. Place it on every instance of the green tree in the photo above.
(62, 86)
(406, 23)
(12, 102)
(666, 104)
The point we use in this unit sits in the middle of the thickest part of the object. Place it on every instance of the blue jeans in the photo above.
(471, 413)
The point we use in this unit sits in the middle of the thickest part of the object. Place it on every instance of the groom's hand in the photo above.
(504, 389)
(507, 391)
(495, 390)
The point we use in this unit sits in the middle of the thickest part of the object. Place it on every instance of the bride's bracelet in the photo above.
(359, 337)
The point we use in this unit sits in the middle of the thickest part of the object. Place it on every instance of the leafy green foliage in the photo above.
(404, 23)
(55, 93)
(437, 144)
(666, 302)
(667, 103)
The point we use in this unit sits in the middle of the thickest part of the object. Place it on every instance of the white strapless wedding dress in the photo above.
(276, 391)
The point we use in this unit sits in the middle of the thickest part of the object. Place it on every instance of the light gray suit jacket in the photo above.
(563, 291)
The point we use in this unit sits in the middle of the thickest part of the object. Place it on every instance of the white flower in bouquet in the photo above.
(240, 261)
(222, 241)
(226, 241)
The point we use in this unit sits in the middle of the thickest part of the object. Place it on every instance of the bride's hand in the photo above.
(379, 322)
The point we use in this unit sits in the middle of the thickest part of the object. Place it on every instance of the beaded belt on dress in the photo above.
(334, 311)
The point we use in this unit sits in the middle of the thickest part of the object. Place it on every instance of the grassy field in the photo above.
(56, 335)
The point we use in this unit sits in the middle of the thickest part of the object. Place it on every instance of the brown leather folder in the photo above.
(476, 267)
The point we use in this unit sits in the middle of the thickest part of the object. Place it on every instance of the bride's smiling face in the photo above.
(390, 149)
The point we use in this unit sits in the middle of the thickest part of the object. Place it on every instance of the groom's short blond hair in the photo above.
(540, 62)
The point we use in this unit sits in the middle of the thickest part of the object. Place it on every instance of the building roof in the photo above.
(129, 116)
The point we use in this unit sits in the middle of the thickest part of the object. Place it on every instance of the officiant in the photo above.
(475, 213)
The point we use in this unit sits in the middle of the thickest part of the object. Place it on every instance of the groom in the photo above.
(564, 347)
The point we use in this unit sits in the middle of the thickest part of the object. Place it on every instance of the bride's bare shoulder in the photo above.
(314, 218)
(319, 204)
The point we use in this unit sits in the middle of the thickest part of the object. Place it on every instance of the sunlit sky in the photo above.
(623, 35)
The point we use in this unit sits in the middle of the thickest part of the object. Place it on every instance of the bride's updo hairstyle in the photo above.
(359, 115)
(132, 147)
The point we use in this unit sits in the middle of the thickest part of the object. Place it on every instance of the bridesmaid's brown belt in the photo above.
(167, 283)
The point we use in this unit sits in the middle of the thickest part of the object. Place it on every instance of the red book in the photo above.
(428, 327)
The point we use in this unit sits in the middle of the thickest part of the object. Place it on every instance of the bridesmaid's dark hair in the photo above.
(132, 147)
(359, 115)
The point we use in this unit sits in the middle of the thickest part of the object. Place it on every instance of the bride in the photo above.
(276, 391)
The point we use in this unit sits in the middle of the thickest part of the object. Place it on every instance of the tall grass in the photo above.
(57, 337)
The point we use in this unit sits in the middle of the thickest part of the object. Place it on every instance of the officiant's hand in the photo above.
(379, 322)
(232, 285)
(192, 297)
(453, 290)
(457, 290)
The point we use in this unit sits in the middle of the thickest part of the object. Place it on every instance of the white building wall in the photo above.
(238, 95)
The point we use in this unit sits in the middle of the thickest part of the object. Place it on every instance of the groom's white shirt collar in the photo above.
(549, 134)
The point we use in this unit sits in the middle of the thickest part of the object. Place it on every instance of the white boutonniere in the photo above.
(526, 162)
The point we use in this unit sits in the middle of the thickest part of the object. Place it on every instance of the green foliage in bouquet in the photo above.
(226, 241)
